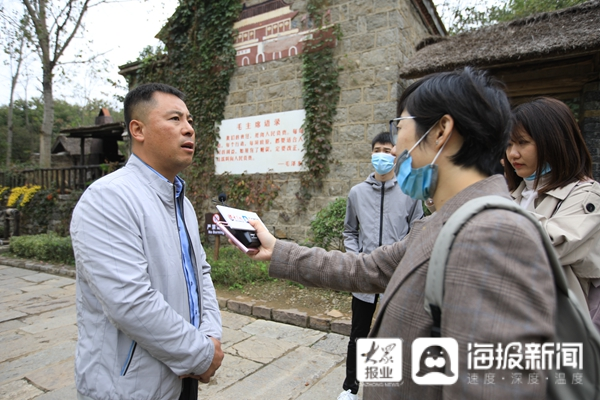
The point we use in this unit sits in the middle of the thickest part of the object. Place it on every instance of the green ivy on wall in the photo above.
(320, 94)
(199, 59)
(199, 37)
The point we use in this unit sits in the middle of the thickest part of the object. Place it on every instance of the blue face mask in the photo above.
(546, 169)
(420, 183)
(382, 162)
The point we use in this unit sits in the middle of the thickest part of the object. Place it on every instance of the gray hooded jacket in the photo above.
(377, 213)
(135, 339)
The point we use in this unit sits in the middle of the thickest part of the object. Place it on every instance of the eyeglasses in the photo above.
(394, 125)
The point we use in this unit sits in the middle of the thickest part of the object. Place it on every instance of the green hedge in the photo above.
(234, 269)
(327, 227)
(45, 247)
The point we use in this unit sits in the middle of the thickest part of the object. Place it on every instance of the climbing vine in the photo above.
(320, 94)
(199, 59)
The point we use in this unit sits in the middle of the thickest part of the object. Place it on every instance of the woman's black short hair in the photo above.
(479, 107)
(558, 141)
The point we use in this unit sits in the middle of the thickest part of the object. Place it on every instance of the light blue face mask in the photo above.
(420, 183)
(546, 169)
(382, 162)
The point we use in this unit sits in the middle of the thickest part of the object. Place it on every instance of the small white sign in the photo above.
(261, 144)
(379, 360)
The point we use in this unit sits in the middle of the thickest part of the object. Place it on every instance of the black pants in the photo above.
(362, 315)
(189, 389)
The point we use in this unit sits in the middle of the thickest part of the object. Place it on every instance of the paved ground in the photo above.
(263, 359)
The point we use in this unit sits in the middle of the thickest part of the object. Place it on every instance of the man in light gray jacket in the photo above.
(377, 213)
(148, 318)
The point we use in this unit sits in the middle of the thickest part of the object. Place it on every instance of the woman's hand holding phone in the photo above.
(267, 242)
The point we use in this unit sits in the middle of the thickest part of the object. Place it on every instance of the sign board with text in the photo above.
(261, 144)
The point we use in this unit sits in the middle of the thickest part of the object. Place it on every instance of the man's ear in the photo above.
(136, 130)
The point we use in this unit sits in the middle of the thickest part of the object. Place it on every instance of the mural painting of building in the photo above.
(267, 32)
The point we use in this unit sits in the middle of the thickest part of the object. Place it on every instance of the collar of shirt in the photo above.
(178, 181)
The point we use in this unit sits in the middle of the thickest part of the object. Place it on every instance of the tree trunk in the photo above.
(48, 121)
(64, 23)
(9, 134)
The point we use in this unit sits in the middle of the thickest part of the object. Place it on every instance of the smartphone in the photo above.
(224, 226)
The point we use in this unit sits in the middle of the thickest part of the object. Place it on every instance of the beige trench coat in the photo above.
(574, 229)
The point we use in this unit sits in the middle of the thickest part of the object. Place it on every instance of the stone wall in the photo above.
(590, 122)
(378, 36)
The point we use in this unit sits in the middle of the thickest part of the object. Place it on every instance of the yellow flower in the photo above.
(23, 193)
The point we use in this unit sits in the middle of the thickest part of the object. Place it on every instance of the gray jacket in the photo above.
(135, 339)
(377, 213)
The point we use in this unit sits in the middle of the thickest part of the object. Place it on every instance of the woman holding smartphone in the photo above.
(499, 288)
(549, 172)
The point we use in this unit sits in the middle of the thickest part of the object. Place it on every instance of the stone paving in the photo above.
(264, 359)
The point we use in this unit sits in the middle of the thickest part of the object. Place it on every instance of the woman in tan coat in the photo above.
(499, 289)
(549, 172)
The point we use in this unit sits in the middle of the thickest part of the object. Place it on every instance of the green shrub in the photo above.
(234, 269)
(46, 247)
(328, 226)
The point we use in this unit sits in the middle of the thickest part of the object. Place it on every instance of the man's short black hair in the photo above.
(383, 138)
(143, 94)
(479, 107)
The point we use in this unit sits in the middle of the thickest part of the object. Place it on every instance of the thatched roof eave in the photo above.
(562, 34)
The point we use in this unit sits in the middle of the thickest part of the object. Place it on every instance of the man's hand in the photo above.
(267, 242)
(214, 365)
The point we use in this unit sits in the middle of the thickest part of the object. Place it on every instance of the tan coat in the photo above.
(499, 289)
(573, 228)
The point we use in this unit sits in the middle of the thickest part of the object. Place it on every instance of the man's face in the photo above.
(167, 137)
(382, 148)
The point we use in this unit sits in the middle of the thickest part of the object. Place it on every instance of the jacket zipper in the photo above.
(193, 254)
(129, 358)
(381, 213)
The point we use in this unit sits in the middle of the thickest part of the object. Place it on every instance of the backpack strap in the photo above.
(434, 286)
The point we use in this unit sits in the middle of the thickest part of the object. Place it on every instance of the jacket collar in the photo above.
(495, 184)
(563, 192)
(516, 194)
(560, 193)
(377, 184)
(152, 179)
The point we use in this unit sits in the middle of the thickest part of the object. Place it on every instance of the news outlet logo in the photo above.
(435, 361)
(379, 360)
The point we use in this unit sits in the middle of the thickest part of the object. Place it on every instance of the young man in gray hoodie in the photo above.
(377, 213)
